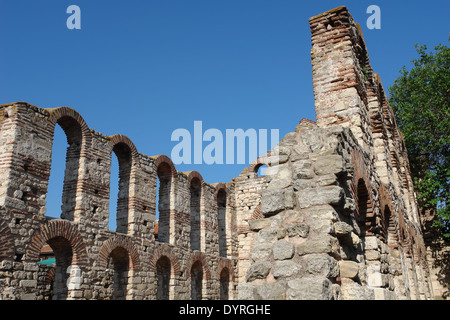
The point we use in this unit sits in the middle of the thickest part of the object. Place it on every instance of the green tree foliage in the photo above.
(420, 99)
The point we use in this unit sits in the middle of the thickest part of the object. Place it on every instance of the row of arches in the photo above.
(389, 224)
(72, 141)
(166, 174)
(117, 260)
(124, 161)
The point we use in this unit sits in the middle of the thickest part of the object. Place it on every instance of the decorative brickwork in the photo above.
(119, 242)
(54, 229)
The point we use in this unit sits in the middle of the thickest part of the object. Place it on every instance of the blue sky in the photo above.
(146, 68)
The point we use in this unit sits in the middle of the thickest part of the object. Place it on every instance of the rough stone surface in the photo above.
(348, 269)
(309, 289)
(283, 250)
(259, 270)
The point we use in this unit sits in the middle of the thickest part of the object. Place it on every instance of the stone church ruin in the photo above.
(334, 217)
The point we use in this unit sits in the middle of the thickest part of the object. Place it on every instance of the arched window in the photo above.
(62, 251)
(117, 273)
(260, 170)
(164, 178)
(61, 197)
(163, 278)
(196, 281)
(123, 153)
(389, 229)
(364, 208)
(224, 284)
(221, 221)
(195, 196)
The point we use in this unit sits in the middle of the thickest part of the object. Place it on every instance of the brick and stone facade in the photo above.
(334, 217)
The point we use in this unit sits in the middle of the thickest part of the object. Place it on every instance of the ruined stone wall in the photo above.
(93, 262)
(349, 192)
(322, 234)
(334, 216)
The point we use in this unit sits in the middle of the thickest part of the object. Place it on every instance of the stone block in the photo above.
(309, 289)
(271, 291)
(274, 201)
(348, 269)
(329, 164)
(320, 195)
(375, 280)
(343, 230)
(299, 152)
(261, 251)
(372, 255)
(285, 269)
(28, 283)
(326, 244)
(321, 265)
(259, 270)
(352, 291)
(298, 229)
(370, 243)
(246, 291)
(259, 224)
(283, 250)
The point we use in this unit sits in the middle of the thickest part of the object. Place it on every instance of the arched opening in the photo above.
(62, 251)
(163, 268)
(221, 221)
(196, 281)
(123, 154)
(195, 195)
(389, 230)
(224, 284)
(117, 274)
(364, 209)
(164, 178)
(260, 170)
(62, 187)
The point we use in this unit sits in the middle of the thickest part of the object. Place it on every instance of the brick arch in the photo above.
(194, 174)
(6, 242)
(128, 159)
(257, 163)
(57, 115)
(159, 159)
(225, 263)
(122, 139)
(360, 171)
(58, 228)
(201, 257)
(165, 251)
(118, 241)
(196, 209)
(220, 186)
(79, 138)
(389, 226)
(361, 192)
